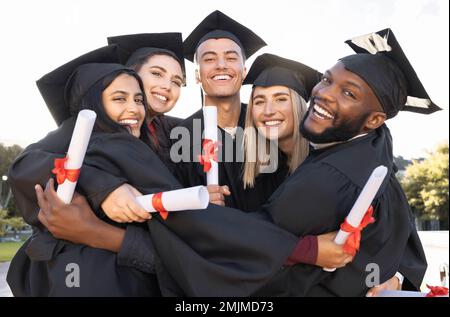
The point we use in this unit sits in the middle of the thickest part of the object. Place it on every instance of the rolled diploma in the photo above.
(361, 205)
(190, 198)
(210, 132)
(77, 150)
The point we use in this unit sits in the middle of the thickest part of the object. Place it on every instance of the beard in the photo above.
(339, 132)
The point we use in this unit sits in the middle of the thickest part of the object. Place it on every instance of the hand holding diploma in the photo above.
(361, 213)
(67, 169)
(210, 146)
(190, 198)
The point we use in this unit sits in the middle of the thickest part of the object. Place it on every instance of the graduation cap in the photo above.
(381, 62)
(218, 25)
(272, 70)
(133, 47)
(86, 70)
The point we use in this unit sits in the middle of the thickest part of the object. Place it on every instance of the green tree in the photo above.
(16, 223)
(401, 162)
(3, 222)
(426, 185)
(7, 155)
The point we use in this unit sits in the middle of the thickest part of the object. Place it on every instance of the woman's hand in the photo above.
(331, 255)
(121, 205)
(217, 194)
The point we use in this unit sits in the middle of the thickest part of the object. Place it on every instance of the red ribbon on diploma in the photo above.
(354, 239)
(209, 153)
(158, 205)
(62, 173)
(437, 291)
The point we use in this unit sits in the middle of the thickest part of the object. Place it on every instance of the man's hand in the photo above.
(393, 284)
(121, 205)
(331, 255)
(217, 194)
(74, 222)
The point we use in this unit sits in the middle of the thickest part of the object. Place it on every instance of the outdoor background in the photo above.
(38, 36)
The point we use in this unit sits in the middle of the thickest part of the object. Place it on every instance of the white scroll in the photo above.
(77, 150)
(362, 203)
(190, 198)
(210, 133)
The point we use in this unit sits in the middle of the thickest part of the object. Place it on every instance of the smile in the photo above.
(272, 123)
(222, 77)
(129, 122)
(321, 113)
(160, 97)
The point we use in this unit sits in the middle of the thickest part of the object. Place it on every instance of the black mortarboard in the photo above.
(380, 61)
(136, 46)
(86, 70)
(272, 70)
(218, 25)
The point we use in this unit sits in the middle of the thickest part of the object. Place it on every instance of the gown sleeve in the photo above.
(34, 165)
(385, 244)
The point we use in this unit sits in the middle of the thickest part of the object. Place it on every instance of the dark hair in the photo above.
(136, 62)
(92, 100)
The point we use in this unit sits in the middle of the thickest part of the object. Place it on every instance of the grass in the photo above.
(8, 249)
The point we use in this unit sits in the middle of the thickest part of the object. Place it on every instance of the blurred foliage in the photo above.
(7, 155)
(12, 223)
(426, 185)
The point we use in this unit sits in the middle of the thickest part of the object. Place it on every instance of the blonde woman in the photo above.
(276, 107)
(273, 145)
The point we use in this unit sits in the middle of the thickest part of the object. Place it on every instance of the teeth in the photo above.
(128, 122)
(160, 97)
(222, 77)
(323, 112)
(272, 123)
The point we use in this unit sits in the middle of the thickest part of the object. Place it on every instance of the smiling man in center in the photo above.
(219, 46)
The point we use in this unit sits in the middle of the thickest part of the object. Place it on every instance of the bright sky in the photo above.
(38, 36)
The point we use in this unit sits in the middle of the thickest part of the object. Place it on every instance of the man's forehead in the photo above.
(339, 72)
(342, 75)
(339, 69)
(219, 46)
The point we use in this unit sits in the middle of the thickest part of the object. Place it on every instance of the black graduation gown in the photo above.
(224, 252)
(317, 198)
(30, 274)
(220, 246)
(38, 268)
(252, 199)
(314, 200)
(190, 173)
(163, 126)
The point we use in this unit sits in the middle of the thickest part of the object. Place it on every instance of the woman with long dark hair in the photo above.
(115, 93)
(158, 59)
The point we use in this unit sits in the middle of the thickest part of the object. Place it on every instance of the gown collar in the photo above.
(320, 146)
